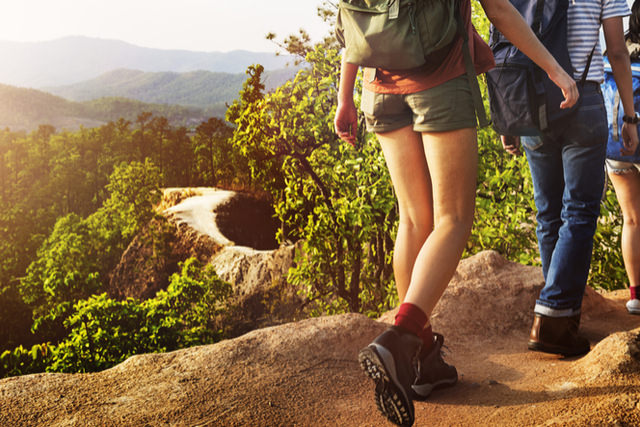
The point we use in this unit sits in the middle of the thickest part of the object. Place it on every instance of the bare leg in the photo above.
(453, 163)
(404, 154)
(627, 188)
(440, 195)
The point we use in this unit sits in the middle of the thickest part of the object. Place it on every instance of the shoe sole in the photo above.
(391, 398)
(555, 349)
(423, 391)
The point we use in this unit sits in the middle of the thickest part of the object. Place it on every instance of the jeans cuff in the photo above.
(555, 312)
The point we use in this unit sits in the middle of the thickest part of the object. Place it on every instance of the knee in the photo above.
(631, 220)
(416, 223)
(458, 225)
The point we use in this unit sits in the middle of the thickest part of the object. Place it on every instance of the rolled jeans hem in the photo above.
(545, 310)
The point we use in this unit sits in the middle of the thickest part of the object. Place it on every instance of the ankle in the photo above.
(633, 290)
(411, 318)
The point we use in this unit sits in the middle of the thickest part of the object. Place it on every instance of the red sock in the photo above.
(427, 339)
(634, 292)
(411, 318)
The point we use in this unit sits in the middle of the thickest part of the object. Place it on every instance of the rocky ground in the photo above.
(306, 373)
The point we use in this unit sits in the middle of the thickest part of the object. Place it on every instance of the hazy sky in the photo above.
(203, 25)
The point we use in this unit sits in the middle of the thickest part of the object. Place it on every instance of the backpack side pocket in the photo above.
(510, 91)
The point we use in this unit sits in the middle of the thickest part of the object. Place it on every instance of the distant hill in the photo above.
(25, 109)
(74, 59)
(203, 89)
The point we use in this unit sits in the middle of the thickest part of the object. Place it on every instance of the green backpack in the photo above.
(401, 34)
(395, 34)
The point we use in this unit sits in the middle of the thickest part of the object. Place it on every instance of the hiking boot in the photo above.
(391, 361)
(433, 372)
(633, 306)
(558, 335)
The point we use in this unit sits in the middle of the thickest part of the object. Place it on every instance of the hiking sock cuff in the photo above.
(411, 317)
(634, 292)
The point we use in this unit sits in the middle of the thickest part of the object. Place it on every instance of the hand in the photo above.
(511, 144)
(346, 121)
(629, 139)
(568, 87)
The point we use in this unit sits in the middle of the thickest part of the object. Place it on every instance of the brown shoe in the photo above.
(558, 335)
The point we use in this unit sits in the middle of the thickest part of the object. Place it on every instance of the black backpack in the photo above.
(522, 98)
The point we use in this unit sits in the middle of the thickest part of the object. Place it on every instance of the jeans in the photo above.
(567, 168)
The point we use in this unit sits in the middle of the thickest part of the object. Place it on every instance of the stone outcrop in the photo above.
(193, 230)
(265, 377)
(154, 255)
(306, 373)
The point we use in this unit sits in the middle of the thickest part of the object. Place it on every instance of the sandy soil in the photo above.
(306, 374)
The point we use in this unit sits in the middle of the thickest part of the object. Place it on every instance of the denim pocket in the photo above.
(531, 142)
(588, 126)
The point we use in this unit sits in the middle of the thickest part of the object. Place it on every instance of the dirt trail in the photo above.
(306, 373)
(502, 383)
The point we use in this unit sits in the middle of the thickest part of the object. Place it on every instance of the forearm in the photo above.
(348, 74)
(621, 67)
(619, 59)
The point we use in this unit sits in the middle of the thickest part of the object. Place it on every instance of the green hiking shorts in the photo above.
(446, 107)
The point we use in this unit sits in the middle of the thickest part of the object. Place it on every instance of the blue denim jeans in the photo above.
(567, 168)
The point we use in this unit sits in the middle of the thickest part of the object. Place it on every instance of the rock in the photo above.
(262, 295)
(222, 384)
(249, 270)
(145, 267)
(617, 354)
(490, 295)
(306, 373)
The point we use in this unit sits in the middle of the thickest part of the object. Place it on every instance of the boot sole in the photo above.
(391, 398)
(556, 349)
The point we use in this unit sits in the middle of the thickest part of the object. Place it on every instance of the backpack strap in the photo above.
(471, 73)
(583, 78)
(536, 25)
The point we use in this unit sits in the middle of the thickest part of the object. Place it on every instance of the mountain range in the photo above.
(74, 59)
(204, 89)
(25, 109)
(86, 81)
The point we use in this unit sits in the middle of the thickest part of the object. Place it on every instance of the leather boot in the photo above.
(558, 335)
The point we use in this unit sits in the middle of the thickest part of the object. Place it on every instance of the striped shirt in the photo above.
(583, 33)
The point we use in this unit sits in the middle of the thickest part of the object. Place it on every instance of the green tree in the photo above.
(337, 200)
(104, 332)
(144, 142)
(213, 149)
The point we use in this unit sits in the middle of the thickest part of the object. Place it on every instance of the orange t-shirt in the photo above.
(434, 74)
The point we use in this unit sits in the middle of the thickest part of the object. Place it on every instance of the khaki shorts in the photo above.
(446, 107)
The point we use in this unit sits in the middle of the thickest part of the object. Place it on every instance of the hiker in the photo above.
(425, 121)
(567, 169)
(623, 163)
